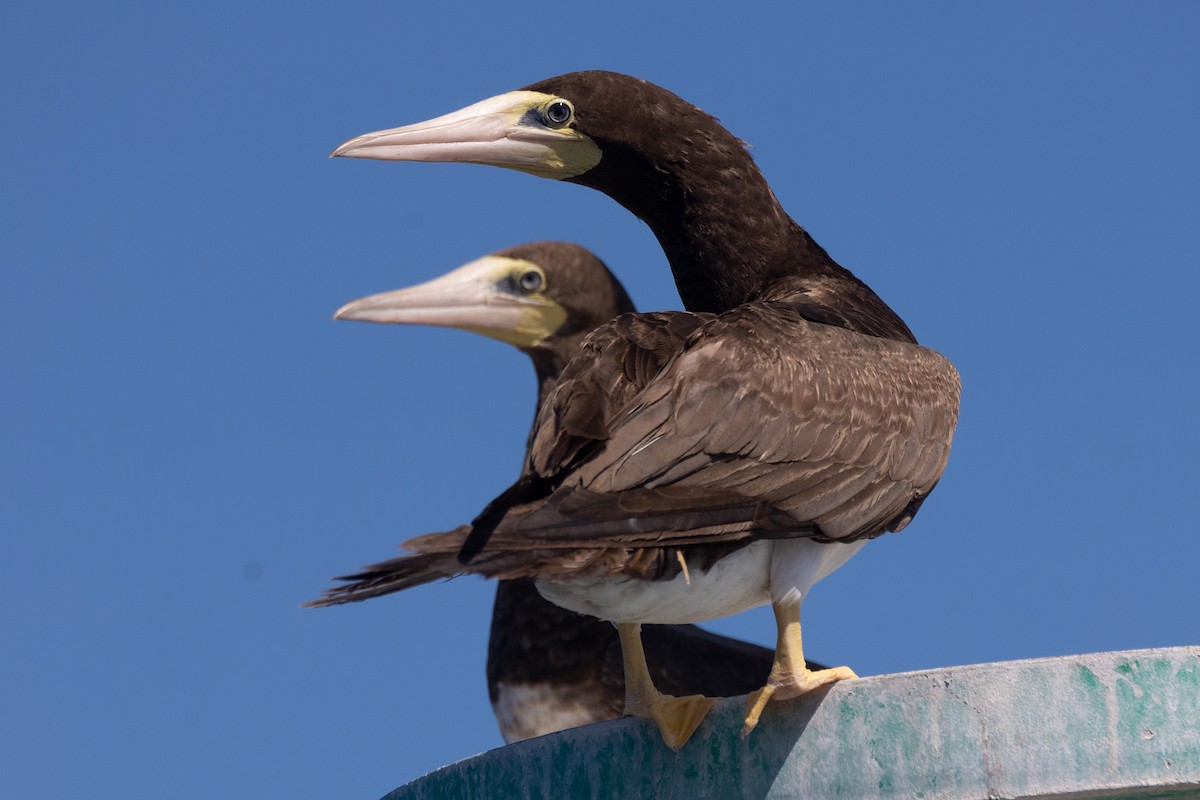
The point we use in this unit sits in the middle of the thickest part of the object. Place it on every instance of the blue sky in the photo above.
(190, 446)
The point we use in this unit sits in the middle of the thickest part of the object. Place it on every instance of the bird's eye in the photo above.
(559, 113)
(530, 281)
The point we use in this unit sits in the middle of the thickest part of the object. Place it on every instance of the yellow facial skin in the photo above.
(504, 298)
(526, 131)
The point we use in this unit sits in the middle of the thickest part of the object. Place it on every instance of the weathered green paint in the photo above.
(1107, 725)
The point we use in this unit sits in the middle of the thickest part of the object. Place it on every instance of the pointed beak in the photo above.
(502, 131)
(469, 298)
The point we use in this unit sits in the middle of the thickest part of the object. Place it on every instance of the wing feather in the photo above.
(838, 430)
(677, 432)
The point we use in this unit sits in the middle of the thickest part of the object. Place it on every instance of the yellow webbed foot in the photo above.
(676, 717)
(790, 676)
(785, 686)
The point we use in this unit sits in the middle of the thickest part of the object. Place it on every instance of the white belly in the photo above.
(763, 572)
(526, 710)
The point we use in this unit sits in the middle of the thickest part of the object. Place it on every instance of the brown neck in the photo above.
(728, 240)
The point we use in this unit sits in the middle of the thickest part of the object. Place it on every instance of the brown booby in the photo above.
(692, 464)
(549, 669)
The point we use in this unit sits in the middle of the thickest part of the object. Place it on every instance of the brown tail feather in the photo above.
(436, 557)
(544, 540)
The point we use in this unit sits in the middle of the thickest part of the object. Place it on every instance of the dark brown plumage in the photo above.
(549, 668)
(692, 181)
(789, 406)
(731, 466)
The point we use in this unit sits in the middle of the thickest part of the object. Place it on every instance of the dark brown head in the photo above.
(655, 147)
(677, 168)
(664, 159)
(542, 297)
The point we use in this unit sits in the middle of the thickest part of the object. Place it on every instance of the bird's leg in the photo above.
(790, 676)
(677, 717)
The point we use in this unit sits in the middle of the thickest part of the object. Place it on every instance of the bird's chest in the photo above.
(526, 710)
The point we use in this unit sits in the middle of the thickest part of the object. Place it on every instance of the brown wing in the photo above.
(764, 424)
(688, 432)
(615, 362)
